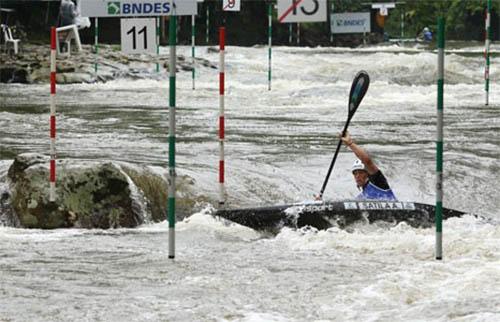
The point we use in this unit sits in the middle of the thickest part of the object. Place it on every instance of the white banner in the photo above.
(231, 5)
(138, 35)
(350, 22)
(301, 10)
(135, 8)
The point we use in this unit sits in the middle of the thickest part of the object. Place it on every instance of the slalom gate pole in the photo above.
(171, 136)
(439, 143)
(402, 23)
(222, 195)
(96, 44)
(487, 52)
(289, 33)
(193, 44)
(331, 32)
(52, 191)
(270, 39)
(157, 44)
(207, 23)
(298, 33)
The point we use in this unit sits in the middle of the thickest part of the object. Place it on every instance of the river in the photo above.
(279, 145)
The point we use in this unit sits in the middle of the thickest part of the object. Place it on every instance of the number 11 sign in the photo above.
(138, 35)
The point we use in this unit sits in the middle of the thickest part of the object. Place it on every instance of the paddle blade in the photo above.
(358, 90)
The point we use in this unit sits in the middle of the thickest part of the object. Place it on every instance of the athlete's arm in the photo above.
(371, 167)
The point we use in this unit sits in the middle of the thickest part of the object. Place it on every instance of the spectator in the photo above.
(67, 13)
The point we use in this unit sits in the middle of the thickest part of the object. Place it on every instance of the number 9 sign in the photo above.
(231, 5)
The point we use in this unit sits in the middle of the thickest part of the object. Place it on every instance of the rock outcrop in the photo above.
(90, 194)
(32, 65)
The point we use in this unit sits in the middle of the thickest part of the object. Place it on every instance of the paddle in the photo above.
(358, 90)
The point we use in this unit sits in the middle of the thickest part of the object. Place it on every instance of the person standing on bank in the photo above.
(67, 13)
(368, 177)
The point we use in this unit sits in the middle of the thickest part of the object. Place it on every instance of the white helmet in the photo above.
(358, 165)
(426, 29)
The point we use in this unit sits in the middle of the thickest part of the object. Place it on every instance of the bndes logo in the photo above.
(114, 8)
(138, 8)
(352, 22)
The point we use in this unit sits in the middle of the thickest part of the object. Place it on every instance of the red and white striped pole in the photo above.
(52, 192)
(222, 195)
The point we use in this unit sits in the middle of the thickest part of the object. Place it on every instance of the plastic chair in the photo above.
(70, 33)
(7, 35)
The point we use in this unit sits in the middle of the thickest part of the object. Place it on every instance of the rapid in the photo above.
(279, 145)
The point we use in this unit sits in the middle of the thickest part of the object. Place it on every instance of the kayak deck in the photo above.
(323, 215)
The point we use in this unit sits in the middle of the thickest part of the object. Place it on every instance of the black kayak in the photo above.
(323, 215)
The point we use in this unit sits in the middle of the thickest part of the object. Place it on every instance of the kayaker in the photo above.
(369, 179)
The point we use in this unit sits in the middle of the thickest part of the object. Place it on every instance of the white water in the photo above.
(278, 148)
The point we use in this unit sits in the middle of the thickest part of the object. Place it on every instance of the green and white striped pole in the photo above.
(207, 23)
(157, 45)
(193, 39)
(402, 23)
(331, 31)
(96, 44)
(270, 39)
(487, 53)
(439, 143)
(171, 137)
(298, 33)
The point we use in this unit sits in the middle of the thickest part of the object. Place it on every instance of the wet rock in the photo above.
(212, 50)
(13, 75)
(32, 65)
(97, 195)
(91, 194)
(74, 78)
(23, 162)
(7, 216)
(155, 189)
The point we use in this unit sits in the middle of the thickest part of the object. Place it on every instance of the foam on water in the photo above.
(278, 148)
(203, 221)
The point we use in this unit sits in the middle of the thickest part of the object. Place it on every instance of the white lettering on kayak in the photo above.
(379, 205)
(318, 208)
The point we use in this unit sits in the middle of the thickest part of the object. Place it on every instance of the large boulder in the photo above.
(91, 194)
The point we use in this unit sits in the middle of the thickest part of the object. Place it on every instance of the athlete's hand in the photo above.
(346, 138)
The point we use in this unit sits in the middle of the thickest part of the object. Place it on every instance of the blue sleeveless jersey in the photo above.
(372, 192)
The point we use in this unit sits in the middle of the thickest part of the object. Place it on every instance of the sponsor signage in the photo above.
(137, 8)
(138, 35)
(379, 205)
(231, 5)
(354, 205)
(317, 208)
(301, 10)
(350, 22)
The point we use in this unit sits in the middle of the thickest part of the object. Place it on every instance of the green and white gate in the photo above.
(137, 37)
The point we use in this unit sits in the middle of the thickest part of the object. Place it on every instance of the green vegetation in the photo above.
(464, 19)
